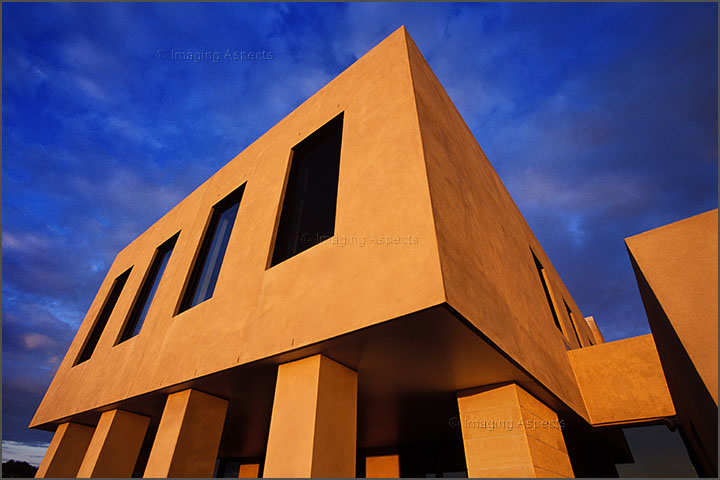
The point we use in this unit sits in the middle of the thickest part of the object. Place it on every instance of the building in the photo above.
(676, 267)
(355, 294)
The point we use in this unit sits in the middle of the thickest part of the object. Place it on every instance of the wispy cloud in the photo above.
(33, 454)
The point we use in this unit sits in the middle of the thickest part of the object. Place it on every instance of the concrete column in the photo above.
(115, 445)
(249, 470)
(509, 433)
(313, 427)
(382, 466)
(66, 451)
(188, 437)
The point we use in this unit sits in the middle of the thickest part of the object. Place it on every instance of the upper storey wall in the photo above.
(325, 291)
(486, 247)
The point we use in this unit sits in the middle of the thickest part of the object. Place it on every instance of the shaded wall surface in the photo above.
(676, 269)
(486, 247)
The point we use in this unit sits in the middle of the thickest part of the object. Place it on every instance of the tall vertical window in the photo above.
(548, 295)
(308, 211)
(147, 290)
(102, 319)
(207, 265)
(571, 316)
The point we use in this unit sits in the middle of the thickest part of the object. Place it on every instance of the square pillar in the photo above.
(509, 433)
(66, 451)
(313, 428)
(188, 437)
(382, 466)
(249, 470)
(115, 445)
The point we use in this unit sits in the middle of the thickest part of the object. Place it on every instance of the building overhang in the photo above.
(409, 372)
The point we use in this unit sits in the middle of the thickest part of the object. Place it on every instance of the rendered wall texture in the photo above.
(509, 433)
(676, 269)
(679, 261)
(622, 381)
(485, 245)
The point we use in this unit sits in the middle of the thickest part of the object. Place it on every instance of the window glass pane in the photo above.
(216, 253)
(102, 319)
(543, 280)
(147, 291)
(207, 266)
(316, 161)
(571, 316)
(315, 228)
(308, 211)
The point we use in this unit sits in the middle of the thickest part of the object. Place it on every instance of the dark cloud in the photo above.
(34, 342)
(601, 119)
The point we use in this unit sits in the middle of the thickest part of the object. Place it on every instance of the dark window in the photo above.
(206, 269)
(546, 288)
(147, 291)
(308, 211)
(572, 322)
(102, 319)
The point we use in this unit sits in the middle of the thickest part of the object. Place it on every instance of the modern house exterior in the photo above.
(357, 294)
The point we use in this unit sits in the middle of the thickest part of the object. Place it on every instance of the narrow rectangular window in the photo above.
(546, 288)
(139, 311)
(102, 319)
(207, 265)
(308, 211)
(572, 322)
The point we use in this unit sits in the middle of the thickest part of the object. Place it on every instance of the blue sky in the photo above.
(601, 120)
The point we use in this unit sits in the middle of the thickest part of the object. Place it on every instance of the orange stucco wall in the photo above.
(676, 270)
(622, 381)
(485, 246)
(680, 263)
